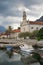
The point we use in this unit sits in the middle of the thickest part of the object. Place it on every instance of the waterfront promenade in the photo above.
(15, 42)
(18, 42)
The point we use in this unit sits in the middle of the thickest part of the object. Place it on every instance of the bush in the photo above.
(33, 34)
(40, 34)
(24, 35)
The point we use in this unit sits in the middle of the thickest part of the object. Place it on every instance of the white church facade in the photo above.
(30, 26)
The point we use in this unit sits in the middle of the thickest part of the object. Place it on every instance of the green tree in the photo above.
(40, 34)
(24, 35)
(33, 34)
(37, 57)
(18, 27)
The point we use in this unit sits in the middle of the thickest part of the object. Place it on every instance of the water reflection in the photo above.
(15, 60)
(5, 60)
(4, 57)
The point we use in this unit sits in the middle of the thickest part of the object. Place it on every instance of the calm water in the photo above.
(15, 60)
(5, 60)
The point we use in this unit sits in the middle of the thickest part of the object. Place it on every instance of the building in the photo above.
(3, 36)
(14, 33)
(30, 26)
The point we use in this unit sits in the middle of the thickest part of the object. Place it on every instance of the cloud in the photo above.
(10, 20)
(10, 7)
(11, 11)
(36, 10)
(22, 8)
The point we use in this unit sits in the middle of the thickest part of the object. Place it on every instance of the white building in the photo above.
(14, 33)
(30, 26)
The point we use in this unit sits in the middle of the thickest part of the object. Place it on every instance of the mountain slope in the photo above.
(2, 29)
(40, 19)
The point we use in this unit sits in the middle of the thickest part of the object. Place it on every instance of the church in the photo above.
(30, 26)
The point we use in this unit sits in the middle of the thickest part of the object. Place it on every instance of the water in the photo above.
(5, 60)
(15, 60)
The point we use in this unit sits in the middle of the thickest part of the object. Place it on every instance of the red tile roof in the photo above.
(37, 23)
(16, 30)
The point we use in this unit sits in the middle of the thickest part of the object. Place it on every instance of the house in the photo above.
(14, 33)
(3, 35)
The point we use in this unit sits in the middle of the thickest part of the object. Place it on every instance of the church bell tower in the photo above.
(24, 26)
(24, 16)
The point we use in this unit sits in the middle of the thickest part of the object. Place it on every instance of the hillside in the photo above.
(40, 19)
(2, 29)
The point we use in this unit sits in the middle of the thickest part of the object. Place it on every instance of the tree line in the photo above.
(36, 34)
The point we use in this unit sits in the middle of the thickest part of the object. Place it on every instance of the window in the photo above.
(36, 28)
(24, 29)
(31, 27)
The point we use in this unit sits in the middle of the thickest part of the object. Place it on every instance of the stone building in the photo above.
(30, 26)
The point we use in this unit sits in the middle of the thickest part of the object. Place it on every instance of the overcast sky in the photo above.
(11, 11)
